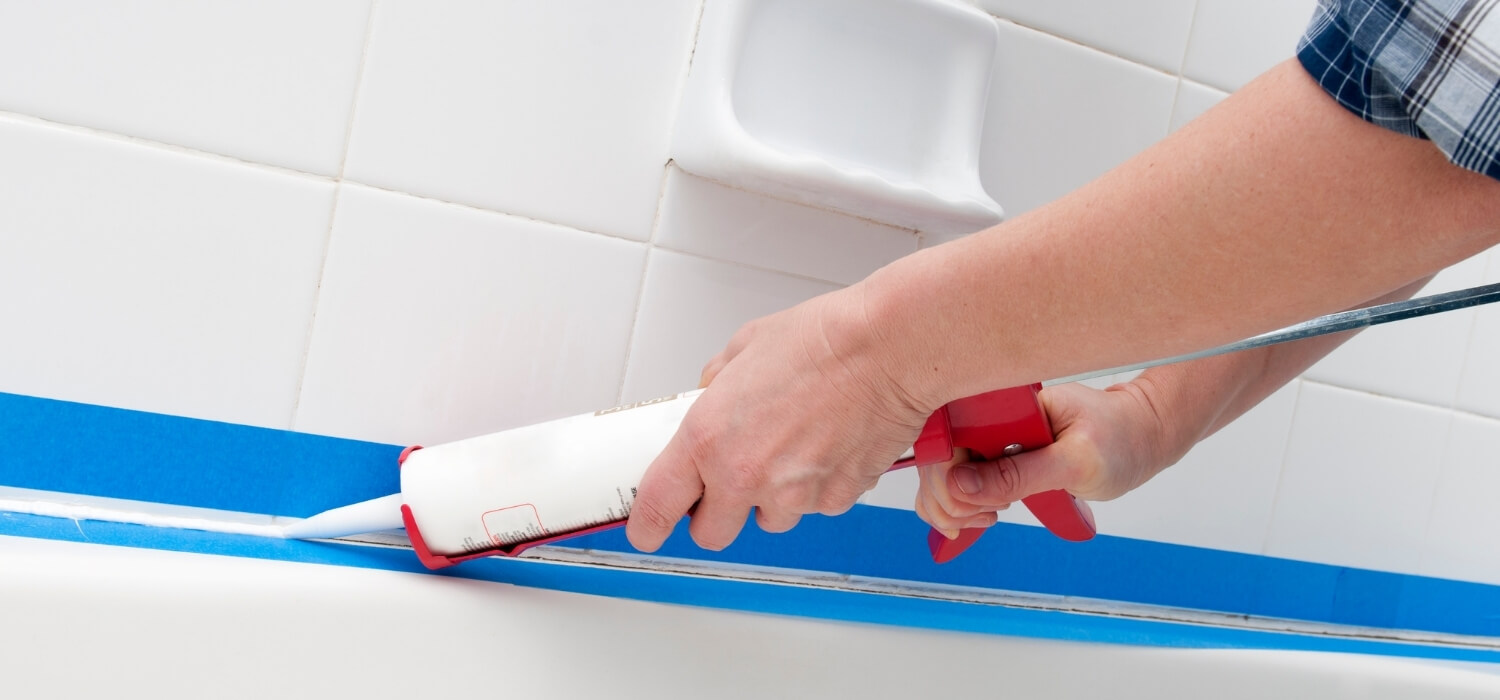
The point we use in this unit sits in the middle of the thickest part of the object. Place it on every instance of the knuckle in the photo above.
(1008, 480)
(795, 498)
(742, 476)
(653, 515)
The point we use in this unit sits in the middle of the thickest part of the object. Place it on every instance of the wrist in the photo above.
(907, 361)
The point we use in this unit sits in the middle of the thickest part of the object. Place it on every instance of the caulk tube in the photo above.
(494, 492)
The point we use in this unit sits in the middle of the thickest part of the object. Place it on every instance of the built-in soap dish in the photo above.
(870, 107)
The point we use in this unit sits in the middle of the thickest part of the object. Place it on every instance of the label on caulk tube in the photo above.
(538, 481)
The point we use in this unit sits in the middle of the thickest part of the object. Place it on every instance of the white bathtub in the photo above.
(88, 620)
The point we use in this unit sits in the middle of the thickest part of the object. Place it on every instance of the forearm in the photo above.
(1274, 207)
(1193, 400)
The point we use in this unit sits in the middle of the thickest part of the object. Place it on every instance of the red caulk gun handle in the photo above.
(990, 426)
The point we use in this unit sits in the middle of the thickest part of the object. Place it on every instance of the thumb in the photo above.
(1010, 479)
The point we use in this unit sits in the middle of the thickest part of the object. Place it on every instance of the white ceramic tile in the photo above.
(561, 115)
(1154, 32)
(1046, 133)
(271, 82)
(1479, 387)
(1233, 41)
(139, 277)
(689, 310)
(703, 217)
(1358, 480)
(1419, 359)
(437, 322)
(1461, 541)
(1193, 99)
(1220, 495)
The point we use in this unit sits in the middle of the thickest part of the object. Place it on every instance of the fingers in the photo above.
(1010, 479)
(774, 521)
(670, 487)
(937, 481)
(712, 370)
(717, 521)
(949, 525)
(937, 505)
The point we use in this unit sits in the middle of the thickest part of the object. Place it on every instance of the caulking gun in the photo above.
(503, 493)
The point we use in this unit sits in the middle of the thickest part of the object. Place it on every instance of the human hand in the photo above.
(1107, 443)
(803, 416)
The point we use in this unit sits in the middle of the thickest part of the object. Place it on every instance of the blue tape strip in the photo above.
(79, 448)
(731, 594)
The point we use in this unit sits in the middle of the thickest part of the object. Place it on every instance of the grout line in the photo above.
(1443, 467)
(1088, 47)
(317, 301)
(756, 268)
(635, 322)
(490, 212)
(1463, 366)
(661, 198)
(359, 83)
(81, 130)
(640, 290)
(1286, 448)
(1172, 111)
(1387, 397)
(338, 190)
(1192, 22)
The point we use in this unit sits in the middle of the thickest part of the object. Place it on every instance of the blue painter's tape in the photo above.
(824, 603)
(78, 448)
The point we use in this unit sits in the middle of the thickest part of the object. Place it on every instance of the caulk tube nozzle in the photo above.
(374, 515)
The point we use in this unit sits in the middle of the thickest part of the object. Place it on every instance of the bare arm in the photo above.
(1274, 207)
(1110, 442)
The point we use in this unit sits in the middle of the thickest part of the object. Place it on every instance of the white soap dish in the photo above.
(870, 107)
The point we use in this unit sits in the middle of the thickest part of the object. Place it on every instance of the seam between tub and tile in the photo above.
(333, 209)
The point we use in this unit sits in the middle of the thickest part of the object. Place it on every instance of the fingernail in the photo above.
(967, 479)
(981, 521)
(950, 534)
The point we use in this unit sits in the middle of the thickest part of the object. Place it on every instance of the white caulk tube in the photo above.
(538, 481)
(495, 492)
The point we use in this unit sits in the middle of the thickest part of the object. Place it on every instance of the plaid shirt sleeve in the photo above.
(1429, 69)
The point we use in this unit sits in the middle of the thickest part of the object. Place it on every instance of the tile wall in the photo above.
(415, 221)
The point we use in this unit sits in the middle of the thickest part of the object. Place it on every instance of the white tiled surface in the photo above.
(689, 310)
(154, 278)
(703, 217)
(560, 114)
(137, 277)
(1358, 481)
(270, 81)
(437, 322)
(1153, 32)
(1461, 538)
(1061, 114)
(1479, 385)
(1193, 99)
(1221, 494)
(1419, 359)
(1233, 41)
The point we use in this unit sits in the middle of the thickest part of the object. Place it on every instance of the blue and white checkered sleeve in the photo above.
(1429, 69)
